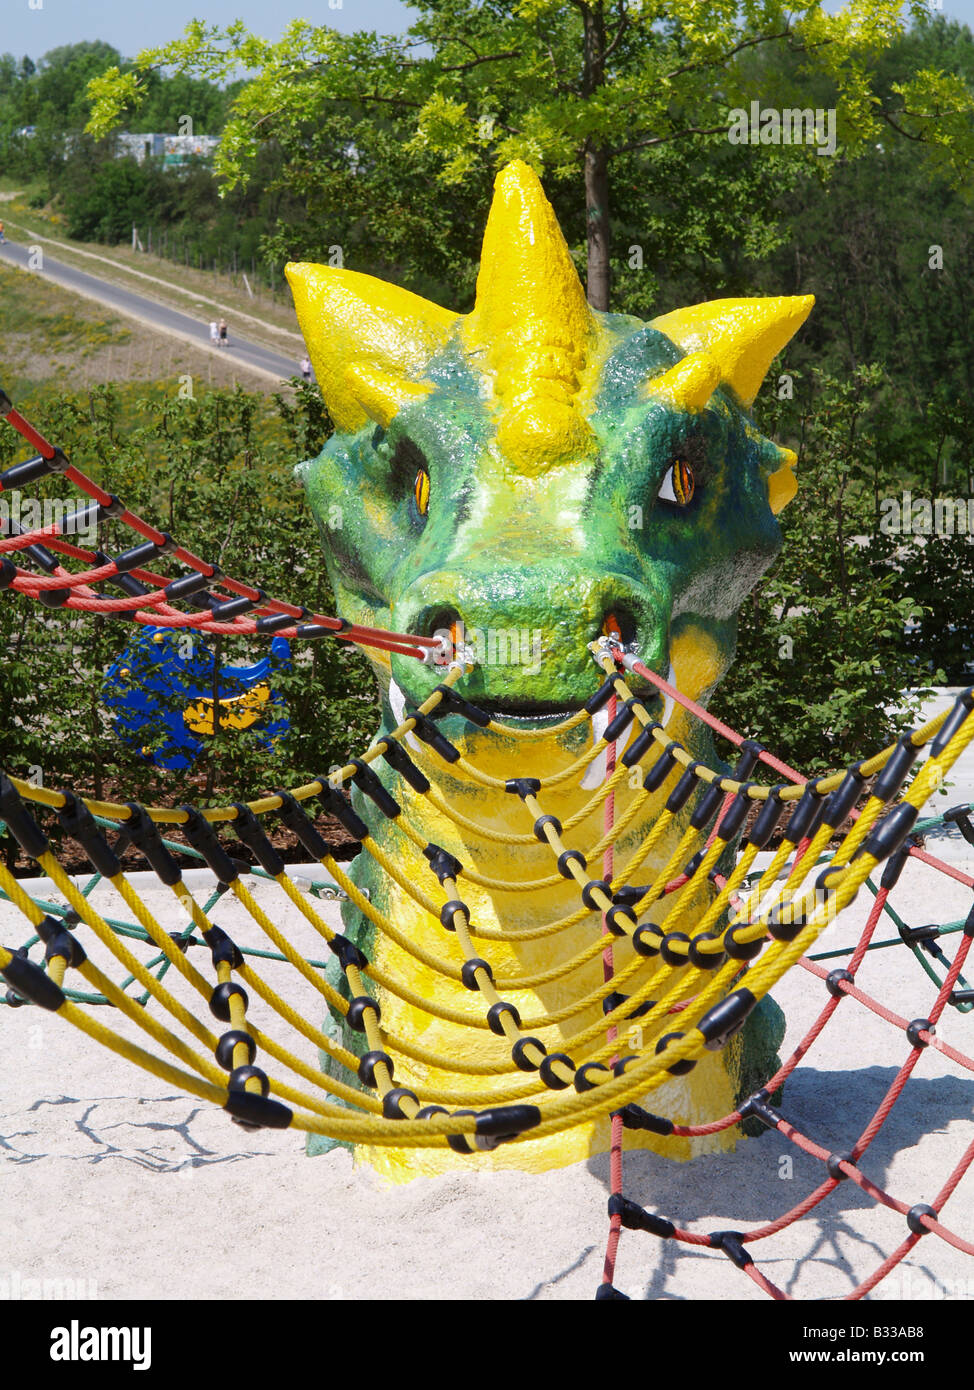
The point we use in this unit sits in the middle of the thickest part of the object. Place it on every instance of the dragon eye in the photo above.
(678, 484)
(421, 491)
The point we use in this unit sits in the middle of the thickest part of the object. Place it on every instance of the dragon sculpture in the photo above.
(538, 473)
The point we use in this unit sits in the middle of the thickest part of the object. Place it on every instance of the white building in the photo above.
(172, 150)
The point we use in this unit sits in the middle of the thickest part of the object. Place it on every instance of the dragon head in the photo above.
(538, 471)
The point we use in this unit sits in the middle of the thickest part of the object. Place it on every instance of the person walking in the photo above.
(306, 367)
(2, 237)
(215, 333)
(223, 333)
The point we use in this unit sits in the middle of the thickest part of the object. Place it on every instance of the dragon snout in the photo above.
(529, 633)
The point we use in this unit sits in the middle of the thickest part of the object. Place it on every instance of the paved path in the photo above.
(151, 314)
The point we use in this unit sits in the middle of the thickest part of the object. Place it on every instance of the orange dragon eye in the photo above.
(421, 491)
(678, 484)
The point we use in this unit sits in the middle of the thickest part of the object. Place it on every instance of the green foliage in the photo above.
(576, 89)
(217, 473)
(889, 255)
(53, 95)
(158, 102)
(43, 110)
(34, 310)
(822, 663)
(939, 571)
(104, 206)
(387, 148)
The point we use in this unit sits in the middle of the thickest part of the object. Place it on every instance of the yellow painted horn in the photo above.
(531, 326)
(380, 395)
(782, 483)
(742, 335)
(352, 320)
(690, 384)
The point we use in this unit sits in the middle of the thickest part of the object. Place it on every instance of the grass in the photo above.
(50, 337)
(37, 310)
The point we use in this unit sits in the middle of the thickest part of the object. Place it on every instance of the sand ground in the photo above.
(113, 1180)
(168, 1199)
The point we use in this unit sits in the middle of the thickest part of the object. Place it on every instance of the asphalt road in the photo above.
(153, 315)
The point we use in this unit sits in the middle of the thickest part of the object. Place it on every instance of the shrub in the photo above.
(217, 474)
(823, 661)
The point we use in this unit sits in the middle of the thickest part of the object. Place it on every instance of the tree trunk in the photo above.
(596, 162)
(597, 224)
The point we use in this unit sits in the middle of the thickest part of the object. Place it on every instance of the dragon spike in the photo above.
(380, 395)
(742, 335)
(690, 384)
(348, 317)
(531, 326)
(782, 483)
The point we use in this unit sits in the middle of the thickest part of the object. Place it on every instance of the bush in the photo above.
(217, 474)
(823, 656)
(823, 661)
(104, 205)
(939, 570)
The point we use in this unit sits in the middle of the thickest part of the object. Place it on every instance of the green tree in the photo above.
(822, 664)
(572, 86)
(102, 201)
(170, 100)
(51, 98)
(62, 78)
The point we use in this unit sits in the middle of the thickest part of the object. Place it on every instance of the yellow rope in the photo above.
(849, 868)
(509, 731)
(167, 815)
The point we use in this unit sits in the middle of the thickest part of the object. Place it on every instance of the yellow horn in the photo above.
(528, 290)
(690, 384)
(531, 328)
(782, 484)
(380, 395)
(742, 335)
(347, 317)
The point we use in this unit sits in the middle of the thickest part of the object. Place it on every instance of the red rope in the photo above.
(772, 1290)
(883, 1110)
(166, 616)
(716, 724)
(85, 599)
(32, 585)
(948, 869)
(850, 1168)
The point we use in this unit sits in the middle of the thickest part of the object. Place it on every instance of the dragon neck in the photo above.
(564, 966)
(491, 832)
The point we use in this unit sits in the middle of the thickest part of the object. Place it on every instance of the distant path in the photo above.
(150, 314)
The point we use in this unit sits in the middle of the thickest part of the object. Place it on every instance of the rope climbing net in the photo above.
(150, 598)
(711, 964)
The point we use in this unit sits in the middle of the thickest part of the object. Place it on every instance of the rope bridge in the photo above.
(713, 965)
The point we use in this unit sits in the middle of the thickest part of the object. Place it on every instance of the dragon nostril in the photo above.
(620, 624)
(436, 620)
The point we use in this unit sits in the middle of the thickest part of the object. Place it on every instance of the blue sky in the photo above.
(34, 26)
(133, 24)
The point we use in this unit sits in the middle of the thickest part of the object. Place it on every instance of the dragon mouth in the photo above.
(540, 713)
(502, 711)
